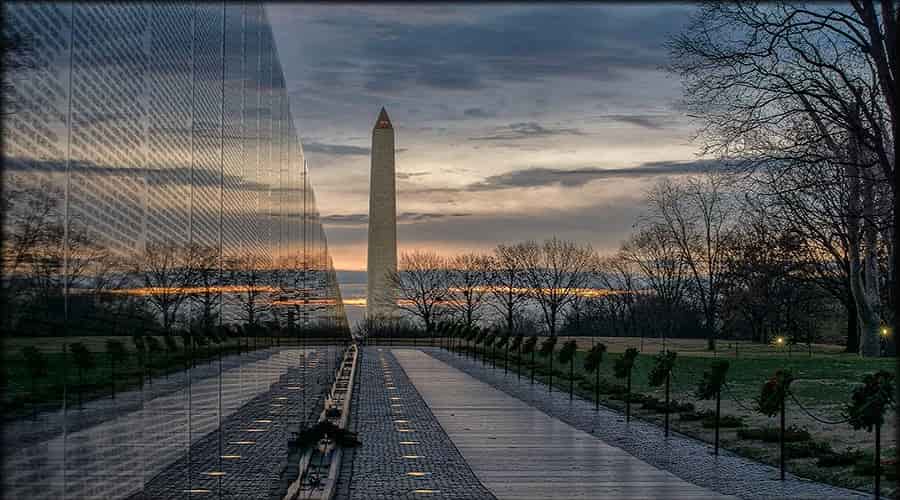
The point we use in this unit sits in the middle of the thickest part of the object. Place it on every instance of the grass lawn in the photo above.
(19, 400)
(824, 382)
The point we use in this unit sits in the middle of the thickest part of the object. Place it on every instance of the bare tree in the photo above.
(167, 272)
(507, 282)
(794, 87)
(556, 271)
(468, 279)
(421, 286)
(207, 268)
(653, 250)
(698, 216)
(619, 276)
(251, 278)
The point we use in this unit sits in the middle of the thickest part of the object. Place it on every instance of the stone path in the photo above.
(404, 453)
(519, 452)
(244, 456)
(685, 457)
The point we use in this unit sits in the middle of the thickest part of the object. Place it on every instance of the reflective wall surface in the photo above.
(163, 260)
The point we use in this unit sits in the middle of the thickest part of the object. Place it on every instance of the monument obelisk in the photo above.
(382, 247)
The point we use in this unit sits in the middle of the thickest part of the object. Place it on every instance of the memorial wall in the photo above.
(158, 219)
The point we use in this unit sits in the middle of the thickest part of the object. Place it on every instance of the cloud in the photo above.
(402, 218)
(525, 130)
(540, 177)
(410, 175)
(535, 177)
(335, 149)
(655, 122)
(477, 113)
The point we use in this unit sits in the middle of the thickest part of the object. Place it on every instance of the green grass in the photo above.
(19, 401)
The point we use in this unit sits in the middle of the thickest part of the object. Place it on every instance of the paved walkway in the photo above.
(243, 458)
(404, 453)
(519, 452)
(685, 457)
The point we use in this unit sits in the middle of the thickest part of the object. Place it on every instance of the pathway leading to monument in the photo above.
(519, 452)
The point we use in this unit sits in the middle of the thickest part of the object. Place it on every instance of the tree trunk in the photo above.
(852, 327)
(860, 284)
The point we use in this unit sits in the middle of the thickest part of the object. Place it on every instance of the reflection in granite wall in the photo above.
(159, 225)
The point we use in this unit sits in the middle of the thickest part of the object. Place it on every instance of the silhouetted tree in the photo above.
(115, 350)
(421, 286)
(468, 281)
(528, 347)
(37, 365)
(556, 272)
(84, 361)
(507, 282)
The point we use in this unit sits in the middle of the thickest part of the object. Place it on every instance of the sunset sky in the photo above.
(512, 122)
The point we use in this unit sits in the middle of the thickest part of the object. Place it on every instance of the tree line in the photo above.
(60, 277)
(710, 258)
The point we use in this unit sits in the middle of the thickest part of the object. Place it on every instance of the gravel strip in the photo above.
(687, 458)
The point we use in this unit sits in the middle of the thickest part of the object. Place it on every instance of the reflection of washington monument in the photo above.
(382, 248)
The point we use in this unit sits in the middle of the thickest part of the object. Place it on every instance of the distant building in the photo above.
(382, 247)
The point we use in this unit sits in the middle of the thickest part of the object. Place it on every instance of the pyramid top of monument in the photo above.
(383, 120)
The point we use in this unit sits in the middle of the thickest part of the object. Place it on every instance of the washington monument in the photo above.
(382, 248)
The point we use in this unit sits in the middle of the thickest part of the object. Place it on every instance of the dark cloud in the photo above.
(410, 175)
(335, 149)
(402, 218)
(477, 113)
(533, 177)
(539, 177)
(655, 122)
(525, 130)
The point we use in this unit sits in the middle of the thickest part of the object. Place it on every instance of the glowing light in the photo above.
(405, 430)
(409, 442)
(884, 331)
(196, 490)
(281, 398)
(263, 421)
(254, 430)
(779, 340)
(215, 473)
(231, 457)
(426, 491)
(417, 474)
(401, 421)
(242, 442)
(412, 456)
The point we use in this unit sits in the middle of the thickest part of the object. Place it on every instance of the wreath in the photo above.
(871, 401)
(713, 380)
(664, 362)
(774, 391)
